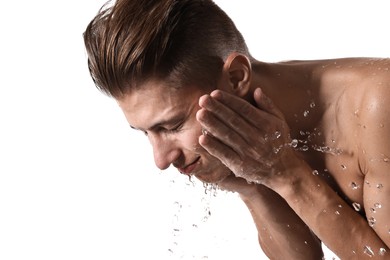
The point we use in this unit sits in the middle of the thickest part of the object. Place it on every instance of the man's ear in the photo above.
(236, 75)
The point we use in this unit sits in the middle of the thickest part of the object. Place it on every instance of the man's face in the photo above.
(167, 116)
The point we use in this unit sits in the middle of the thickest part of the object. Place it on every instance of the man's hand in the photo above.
(253, 142)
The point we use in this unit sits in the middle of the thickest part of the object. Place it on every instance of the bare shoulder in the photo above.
(361, 82)
(369, 93)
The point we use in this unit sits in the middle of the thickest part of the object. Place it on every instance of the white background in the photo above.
(76, 183)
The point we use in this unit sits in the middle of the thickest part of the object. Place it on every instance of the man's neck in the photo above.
(291, 87)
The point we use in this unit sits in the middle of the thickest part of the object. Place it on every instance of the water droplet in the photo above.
(315, 172)
(368, 251)
(379, 186)
(372, 210)
(356, 113)
(340, 206)
(302, 133)
(294, 143)
(371, 221)
(354, 186)
(343, 167)
(312, 104)
(356, 206)
(277, 134)
(306, 113)
(377, 205)
(382, 251)
(337, 212)
(304, 148)
(210, 188)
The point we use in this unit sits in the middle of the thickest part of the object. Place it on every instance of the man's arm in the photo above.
(245, 145)
(282, 234)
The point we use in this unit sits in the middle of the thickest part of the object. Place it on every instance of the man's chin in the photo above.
(212, 178)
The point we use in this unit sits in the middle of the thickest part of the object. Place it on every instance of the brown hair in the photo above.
(179, 41)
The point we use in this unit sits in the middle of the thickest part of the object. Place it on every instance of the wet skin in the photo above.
(337, 111)
(167, 116)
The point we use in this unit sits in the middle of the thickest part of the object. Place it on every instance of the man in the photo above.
(306, 144)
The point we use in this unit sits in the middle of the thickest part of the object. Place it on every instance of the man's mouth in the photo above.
(189, 168)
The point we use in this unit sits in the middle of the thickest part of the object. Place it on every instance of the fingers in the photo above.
(224, 123)
(222, 130)
(219, 150)
(266, 104)
(241, 107)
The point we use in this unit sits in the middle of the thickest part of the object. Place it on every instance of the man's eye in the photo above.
(175, 129)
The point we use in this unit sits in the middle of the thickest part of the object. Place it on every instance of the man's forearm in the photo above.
(341, 228)
(282, 234)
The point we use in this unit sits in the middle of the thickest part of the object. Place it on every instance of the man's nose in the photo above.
(165, 152)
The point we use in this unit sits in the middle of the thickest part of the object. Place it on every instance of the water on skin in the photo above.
(371, 221)
(368, 251)
(354, 186)
(356, 206)
(382, 251)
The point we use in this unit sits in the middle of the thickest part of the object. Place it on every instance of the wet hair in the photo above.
(182, 42)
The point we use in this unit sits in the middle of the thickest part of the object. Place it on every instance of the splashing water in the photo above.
(210, 188)
(304, 148)
(327, 149)
(189, 218)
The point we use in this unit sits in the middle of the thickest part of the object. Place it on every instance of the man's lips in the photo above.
(189, 168)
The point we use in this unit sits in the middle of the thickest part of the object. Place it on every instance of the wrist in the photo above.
(288, 175)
